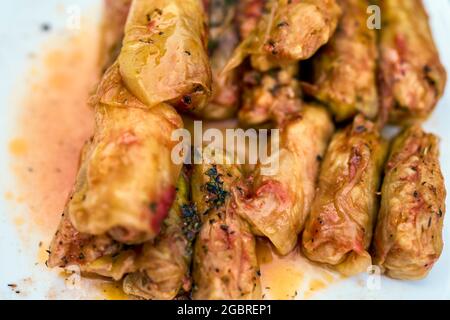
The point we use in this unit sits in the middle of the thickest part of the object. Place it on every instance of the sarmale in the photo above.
(280, 199)
(268, 98)
(164, 56)
(163, 266)
(223, 38)
(408, 237)
(340, 226)
(412, 76)
(225, 263)
(288, 31)
(344, 71)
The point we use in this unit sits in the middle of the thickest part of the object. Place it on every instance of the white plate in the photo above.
(22, 262)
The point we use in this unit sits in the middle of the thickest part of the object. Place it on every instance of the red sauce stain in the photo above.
(163, 207)
(54, 121)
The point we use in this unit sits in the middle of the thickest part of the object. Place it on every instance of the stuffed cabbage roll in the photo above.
(408, 237)
(280, 201)
(344, 72)
(269, 97)
(158, 269)
(163, 266)
(126, 182)
(164, 56)
(290, 30)
(223, 38)
(412, 76)
(225, 264)
(70, 247)
(340, 226)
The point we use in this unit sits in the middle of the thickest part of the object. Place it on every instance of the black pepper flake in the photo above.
(319, 158)
(215, 188)
(187, 52)
(282, 24)
(149, 17)
(187, 100)
(191, 222)
(360, 129)
(429, 222)
(153, 206)
(212, 46)
(272, 47)
(224, 227)
(440, 214)
(81, 256)
(198, 88)
(258, 272)
(149, 41)
(158, 11)
(416, 194)
(160, 33)
(187, 211)
(45, 27)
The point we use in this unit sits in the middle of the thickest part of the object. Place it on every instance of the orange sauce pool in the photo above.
(292, 276)
(113, 291)
(54, 122)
